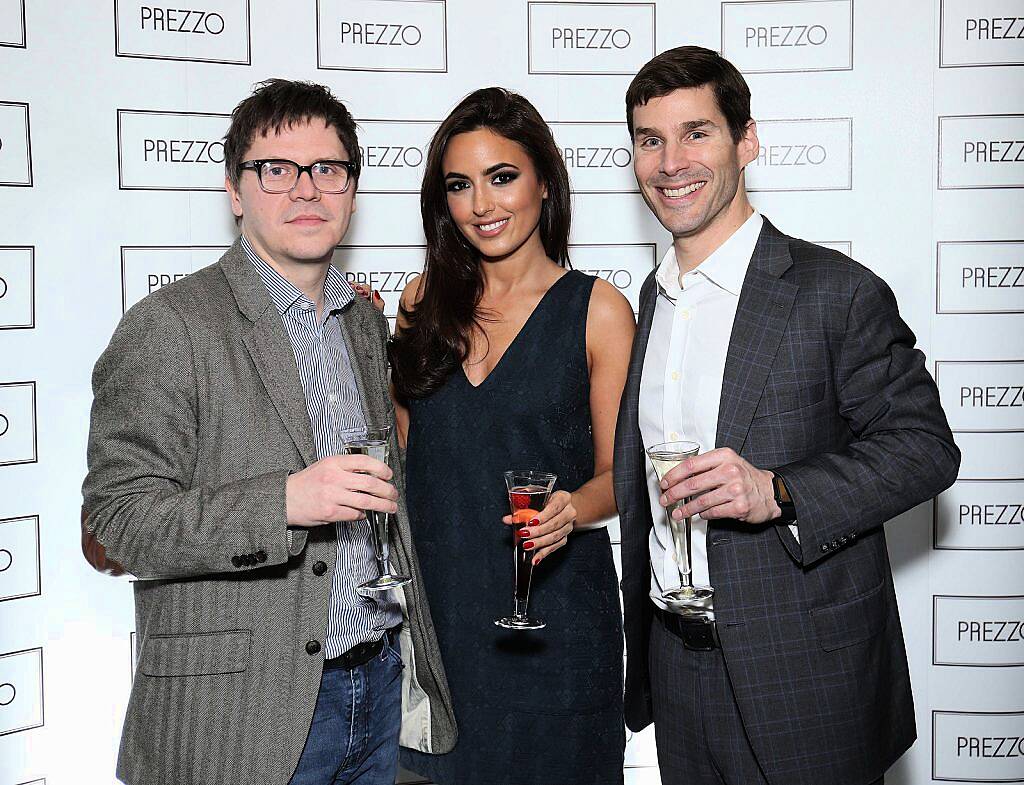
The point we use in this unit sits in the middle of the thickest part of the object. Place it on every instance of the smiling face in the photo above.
(689, 169)
(494, 194)
(301, 226)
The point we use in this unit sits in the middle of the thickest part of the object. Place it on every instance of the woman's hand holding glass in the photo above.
(550, 530)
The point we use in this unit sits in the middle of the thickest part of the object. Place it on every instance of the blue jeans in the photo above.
(353, 739)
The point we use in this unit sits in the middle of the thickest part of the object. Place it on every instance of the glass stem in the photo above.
(520, 608)
(689, 553)
(378, 525)
(681, 537)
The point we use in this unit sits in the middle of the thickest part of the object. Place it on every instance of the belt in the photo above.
(697, 634)
(360, 654)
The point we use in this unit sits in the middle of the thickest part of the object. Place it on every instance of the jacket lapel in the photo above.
(761, 317)
(270, 348)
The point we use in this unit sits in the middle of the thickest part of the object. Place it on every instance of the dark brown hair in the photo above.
(693, 66)
(280, 103)
(436, 340)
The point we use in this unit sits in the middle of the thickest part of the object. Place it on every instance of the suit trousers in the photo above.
(353, 738)
(697, 725)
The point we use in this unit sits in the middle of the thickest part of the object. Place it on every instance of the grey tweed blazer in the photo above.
(197, 420)
(823, 384)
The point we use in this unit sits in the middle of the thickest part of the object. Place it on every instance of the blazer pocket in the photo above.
(787, 399)
(851, 621)
(207, 653)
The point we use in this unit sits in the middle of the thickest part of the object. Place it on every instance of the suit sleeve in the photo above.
(902, 452)
(141, 502)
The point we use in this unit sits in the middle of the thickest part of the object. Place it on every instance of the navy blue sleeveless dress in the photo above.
(538, 707)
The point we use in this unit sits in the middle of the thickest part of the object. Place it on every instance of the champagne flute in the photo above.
(375, 443)
(528, 492)
(686, 597)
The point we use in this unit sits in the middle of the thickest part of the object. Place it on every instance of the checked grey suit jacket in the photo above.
(823, 385)
(198, 418)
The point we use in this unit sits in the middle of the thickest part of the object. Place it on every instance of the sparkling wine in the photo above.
(375, 448)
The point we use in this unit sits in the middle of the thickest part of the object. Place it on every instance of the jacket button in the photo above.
(312, 647)
(250, 560)
(824, 548)
(835, 543)
(261, 556)
(236, 560)
(319, 568)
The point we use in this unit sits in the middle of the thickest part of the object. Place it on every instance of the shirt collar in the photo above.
(725, 267)
(284, 294)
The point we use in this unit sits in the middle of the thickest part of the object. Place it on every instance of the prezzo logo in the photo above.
(987, 415)
(394, 152)
(18, 423)
(978, 631)
(803, 155)
(981, 151)
(12, 23)
(15, 144)
(19, 558)
(170, 151)
(589, 38)
(982, 396)
(386, 268)
(17, 288)
(980, 515)
(21, 690)
(773, 36)
(598, 156)
(207, 31)
(144, 269)
(979, 276)
(978, 746)
(980, 33)
(624, 265)
(382, 35)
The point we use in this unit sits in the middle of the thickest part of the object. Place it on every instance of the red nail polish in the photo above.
(527, 546)
(535, 522)
(523, 534)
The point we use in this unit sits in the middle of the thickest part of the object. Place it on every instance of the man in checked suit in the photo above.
(221, 407)
(790, 366)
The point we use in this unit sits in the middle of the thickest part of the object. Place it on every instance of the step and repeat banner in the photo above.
(893, 132)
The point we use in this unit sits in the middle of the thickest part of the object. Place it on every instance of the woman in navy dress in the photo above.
(503, 359)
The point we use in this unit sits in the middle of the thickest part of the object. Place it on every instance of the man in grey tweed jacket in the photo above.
(790, 365)
(214, 477)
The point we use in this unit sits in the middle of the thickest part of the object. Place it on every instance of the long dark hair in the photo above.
(436, 340)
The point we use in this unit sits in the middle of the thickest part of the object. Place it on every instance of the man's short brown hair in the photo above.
(688, 67)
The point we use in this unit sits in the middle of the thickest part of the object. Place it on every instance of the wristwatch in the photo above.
(783, 499)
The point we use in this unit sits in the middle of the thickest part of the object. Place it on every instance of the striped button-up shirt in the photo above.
(335, 413)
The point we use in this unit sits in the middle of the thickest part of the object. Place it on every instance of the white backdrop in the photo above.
(893, 131)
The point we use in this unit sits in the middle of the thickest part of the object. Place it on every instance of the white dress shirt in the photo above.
(681, 386)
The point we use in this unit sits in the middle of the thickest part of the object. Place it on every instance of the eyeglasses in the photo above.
(279, 175)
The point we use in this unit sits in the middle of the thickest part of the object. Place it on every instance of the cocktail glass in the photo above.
(687, 597)
(375, 443)
(528, 492)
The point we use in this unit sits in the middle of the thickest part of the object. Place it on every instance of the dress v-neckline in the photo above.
(512, 343)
